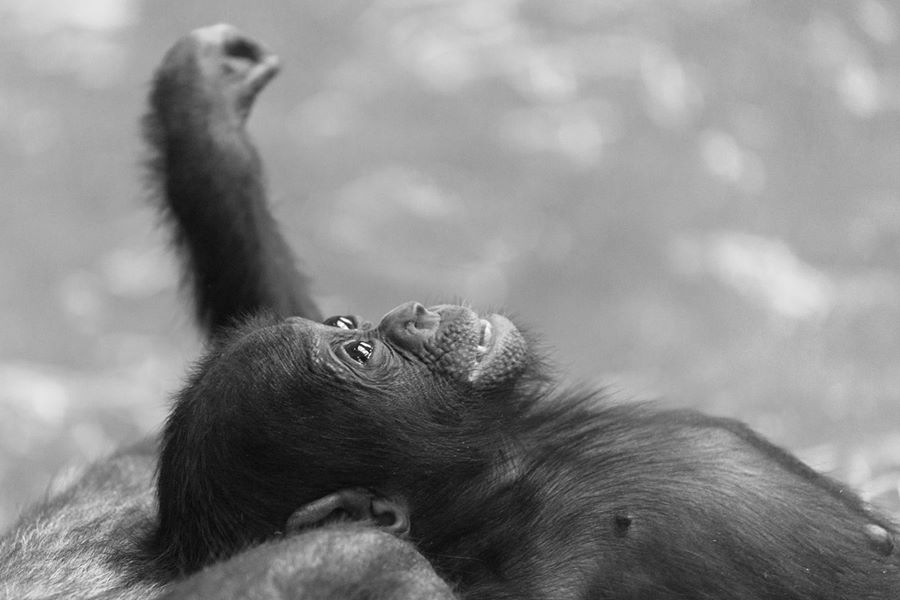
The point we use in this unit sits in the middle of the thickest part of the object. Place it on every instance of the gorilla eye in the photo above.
(341, 322)
(361, 352)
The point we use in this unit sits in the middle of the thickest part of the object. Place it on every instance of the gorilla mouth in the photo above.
(450, 339)
(500, 347)
(484, 340)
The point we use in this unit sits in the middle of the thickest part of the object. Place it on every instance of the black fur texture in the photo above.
(514, 486)
(518, 489)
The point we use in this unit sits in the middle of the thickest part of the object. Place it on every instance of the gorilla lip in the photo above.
(497, 335)
(487, 333)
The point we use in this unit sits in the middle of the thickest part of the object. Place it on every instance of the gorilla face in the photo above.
(413, 351)
(283, 412)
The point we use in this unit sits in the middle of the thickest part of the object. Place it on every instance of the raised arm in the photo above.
(210, 178)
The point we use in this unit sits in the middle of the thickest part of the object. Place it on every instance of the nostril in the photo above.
(424, 318)
(410, 325)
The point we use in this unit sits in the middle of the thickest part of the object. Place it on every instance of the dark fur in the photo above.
(88, 538)
(81, 542)
(208, 172)
(517, 491)
(522, 492)
(282, 570)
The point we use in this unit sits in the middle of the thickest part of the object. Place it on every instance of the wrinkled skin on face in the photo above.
(412, 343)
(259, 431)
(286, 412)
(437, 425)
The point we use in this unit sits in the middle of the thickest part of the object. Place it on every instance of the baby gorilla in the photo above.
(439, 425)
(443, 426)
(331, 419)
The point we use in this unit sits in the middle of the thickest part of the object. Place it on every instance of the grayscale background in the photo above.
(696, 201)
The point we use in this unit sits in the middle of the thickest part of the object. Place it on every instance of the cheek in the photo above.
(391, 381)
(426, 388)
(396, 381)
(455, 365)
(334, 372)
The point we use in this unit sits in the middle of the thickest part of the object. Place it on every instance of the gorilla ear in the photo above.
(391, 516)
(355, 504)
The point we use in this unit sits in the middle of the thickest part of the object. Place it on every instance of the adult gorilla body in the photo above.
(437, 425)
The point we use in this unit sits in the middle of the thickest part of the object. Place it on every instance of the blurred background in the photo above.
(696, 201)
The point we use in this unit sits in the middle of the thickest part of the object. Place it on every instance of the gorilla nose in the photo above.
(410, 325)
